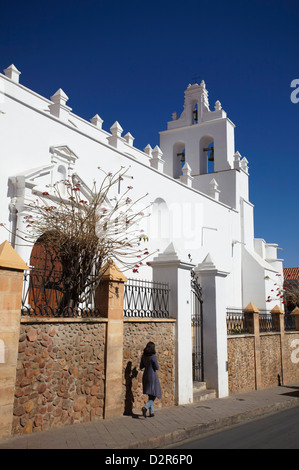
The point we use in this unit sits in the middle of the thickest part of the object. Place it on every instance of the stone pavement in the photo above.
(169, 426)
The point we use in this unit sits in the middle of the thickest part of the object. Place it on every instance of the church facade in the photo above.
(196, 180)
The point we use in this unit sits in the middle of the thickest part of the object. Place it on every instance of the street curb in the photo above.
(198, 430)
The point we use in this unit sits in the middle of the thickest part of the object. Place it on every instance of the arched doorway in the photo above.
(45, 282)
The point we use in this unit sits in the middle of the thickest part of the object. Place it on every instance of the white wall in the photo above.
(195, 222)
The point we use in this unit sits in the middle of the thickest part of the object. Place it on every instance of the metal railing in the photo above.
(236, 323)
(266, 322)
(45, 295)
(289, 322)
(146, 299)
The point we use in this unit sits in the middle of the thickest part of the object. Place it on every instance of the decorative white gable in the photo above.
(36, 180)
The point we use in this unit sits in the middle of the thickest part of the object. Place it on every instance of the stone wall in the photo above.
(271, 366)
(60, 377)
(59, 371)
(276, 361)
(241, 364)
(137, 333)
(291, 371)
(60, 374)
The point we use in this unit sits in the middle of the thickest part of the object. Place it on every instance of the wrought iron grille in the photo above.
(146, 299)
(43, 295)
(289, 322)
(197, 329)
(266, 323)
(236, 322)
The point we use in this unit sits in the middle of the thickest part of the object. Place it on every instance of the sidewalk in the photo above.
(170, 425)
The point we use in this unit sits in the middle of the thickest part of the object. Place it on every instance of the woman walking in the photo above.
(150, 380)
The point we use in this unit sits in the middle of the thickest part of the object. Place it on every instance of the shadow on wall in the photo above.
(130, 374)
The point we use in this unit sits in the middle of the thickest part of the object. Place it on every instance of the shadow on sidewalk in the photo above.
(294, 393)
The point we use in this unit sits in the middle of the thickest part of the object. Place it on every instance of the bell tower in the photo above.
(204, 137)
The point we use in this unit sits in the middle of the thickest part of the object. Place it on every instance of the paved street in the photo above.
(277, 431)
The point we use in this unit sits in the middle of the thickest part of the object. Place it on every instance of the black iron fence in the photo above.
(236, 322)
(146, 299)
(266, 322)
(289, 322)
(45, 294)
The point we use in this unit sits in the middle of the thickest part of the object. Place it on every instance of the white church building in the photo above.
(201, 215)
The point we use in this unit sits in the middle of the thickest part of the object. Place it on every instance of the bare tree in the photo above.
(286, 290)
(291, 293)
(81, 234)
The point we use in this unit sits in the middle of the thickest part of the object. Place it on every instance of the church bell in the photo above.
(182, 155)
(211, 156)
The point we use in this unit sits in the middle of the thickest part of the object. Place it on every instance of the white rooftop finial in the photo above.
(218, 106)
(186, 177)
(97, 121)
(148, 150)
(59, 97)
(59, 107)
(13, 73)
(156, 160)
(244, 164)
(214, 191)
(237, 160)
(129, 138)
(115, 139)
(116, 129)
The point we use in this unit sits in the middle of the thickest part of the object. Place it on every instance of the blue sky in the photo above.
(131, 61)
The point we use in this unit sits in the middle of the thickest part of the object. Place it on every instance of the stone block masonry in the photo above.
(258, 359)
(60, 374)
(59, 371)
(137, 333)
(60, 378)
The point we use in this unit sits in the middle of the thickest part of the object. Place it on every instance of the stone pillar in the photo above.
(11, 286)
(278, 319)
(110, 301)
(278, 324)
(213, 283)
(168, 267)
(252, 316)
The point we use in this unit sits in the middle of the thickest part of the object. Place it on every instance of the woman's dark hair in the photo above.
(149, 349)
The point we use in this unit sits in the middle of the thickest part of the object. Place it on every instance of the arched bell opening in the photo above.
(194, 112)
(206, 155)
(179, 158)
